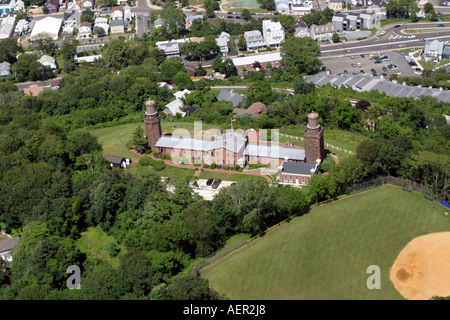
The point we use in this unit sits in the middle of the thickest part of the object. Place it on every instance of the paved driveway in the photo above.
(207, 192)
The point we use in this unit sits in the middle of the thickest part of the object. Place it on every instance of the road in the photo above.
(393, 39)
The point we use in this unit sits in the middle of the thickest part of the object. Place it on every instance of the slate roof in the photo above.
(380, 84)
(8, 244)
(297, 167)
(113, 159)
(230, 95)
(278, 152)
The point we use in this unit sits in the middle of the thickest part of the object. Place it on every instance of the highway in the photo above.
(393, 39)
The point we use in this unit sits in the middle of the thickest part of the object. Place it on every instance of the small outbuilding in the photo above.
(117, 162)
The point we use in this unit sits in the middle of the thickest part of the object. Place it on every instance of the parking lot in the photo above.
(207, 192)
(360, 63)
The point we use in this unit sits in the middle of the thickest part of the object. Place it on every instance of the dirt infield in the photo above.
(421, 270)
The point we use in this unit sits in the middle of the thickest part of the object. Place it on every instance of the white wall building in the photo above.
(273, 33)
(48, 27)
(7, 27)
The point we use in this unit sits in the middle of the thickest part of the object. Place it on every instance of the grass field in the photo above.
(325, 253)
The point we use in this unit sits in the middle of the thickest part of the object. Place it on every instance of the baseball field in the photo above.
(328, 253)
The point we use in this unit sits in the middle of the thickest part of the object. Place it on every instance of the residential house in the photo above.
(72, 18)
(6, 247)
(190, 69)
(48, 61)
(117, 162)
(254, 40)
(117, 26)
(21, 26)
(117, 12)
(222, 41)
(19, 6)
(52, 6)
(282, 6)
(7, 6)
(256, 109)
(127, 13)
(158, 23)
(181, 94)
(174, 107)
(337, 5)
(323, 32)
(102, 23)
(190, 19)
(356, 21)
(49, 27)
(301, 30)
(5, 68)
(235, 98)
(7, 27)
(84, 31)
(301, 7)
(88, 59)
(273, 33)
(88, 4)
(171, 48)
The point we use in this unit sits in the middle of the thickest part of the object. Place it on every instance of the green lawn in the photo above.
(95, 243)
(325, 253)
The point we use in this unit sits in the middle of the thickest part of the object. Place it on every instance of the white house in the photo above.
(433, 51)
(7, 6)
(48, 61)
(301, 7)
(117, 13)
(181, 94)
(254, 40)
(88, 59)
(171, 48)
(282, 6)
(102, 23)
(19, 6)
(301, 30)
(5, 68)
(174, 107)
(127, 14)
(273, 33)
(21, 26)
(7, 27)
(222, 41)
(47, 27)
(84, 31)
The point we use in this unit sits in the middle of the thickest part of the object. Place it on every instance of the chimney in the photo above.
(150, 107)
(313, 120)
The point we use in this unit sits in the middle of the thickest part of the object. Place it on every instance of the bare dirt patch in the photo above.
(421, 270)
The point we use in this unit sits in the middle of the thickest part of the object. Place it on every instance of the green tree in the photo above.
(246, 14)
(138, 140)
(300, 56)
(335, 37)
(183, 81)
(189, 287)
(242, 44)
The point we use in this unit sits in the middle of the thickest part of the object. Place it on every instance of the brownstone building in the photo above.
(152, 124)
(314, 145)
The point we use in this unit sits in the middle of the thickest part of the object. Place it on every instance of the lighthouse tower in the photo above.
(152, 124)
(314, 145)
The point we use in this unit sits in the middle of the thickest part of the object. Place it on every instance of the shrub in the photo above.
(157, 164)
(206, 165)
(236, 167)
(226, 167)
(155, 154)
(145, 161)
(213, 166)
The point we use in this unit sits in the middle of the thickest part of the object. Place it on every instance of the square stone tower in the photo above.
(314, 145)
(152, 124)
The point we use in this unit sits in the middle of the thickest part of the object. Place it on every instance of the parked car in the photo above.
(209, 182)
(441, 25)
(216, 183)
(373, 70)
(361, 71)
(359, 64)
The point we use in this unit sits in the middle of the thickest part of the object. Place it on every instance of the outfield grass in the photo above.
(325, 253)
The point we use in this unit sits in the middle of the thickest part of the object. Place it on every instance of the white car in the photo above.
(359, 64)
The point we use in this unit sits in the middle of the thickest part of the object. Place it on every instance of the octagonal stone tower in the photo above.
(314, 145)
(152, 124)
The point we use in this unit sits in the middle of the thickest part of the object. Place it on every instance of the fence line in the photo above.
(364, 186)
(328, 145)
